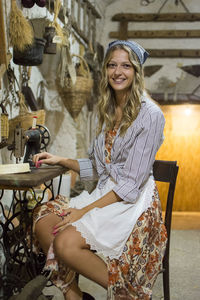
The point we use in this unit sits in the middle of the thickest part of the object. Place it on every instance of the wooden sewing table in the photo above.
(18, 263)
(36, 177)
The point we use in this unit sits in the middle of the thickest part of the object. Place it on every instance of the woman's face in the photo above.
(120, 71)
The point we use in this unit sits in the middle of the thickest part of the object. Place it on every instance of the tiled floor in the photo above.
(184, 270)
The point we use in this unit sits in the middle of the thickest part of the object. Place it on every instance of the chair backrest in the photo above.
(166, 171)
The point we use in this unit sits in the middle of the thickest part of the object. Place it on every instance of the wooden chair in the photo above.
(166, 171)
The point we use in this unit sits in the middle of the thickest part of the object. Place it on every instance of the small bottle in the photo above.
(34, 122)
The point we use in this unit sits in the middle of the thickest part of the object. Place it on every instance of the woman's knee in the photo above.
(63, 240)
(46, 224)
(67, 242)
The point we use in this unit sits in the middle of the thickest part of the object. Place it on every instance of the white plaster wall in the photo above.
(70, 138)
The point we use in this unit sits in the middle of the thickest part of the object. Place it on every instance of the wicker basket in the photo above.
(25, 121)
(75, 96)
(4, 126)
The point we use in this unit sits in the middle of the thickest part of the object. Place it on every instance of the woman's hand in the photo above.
(50, 159)
(46, 158)
(69, 216)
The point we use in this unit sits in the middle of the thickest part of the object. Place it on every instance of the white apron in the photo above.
(107, 229)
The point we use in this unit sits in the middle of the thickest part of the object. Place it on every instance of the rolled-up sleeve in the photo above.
(141, 157)
(88, 166)
(86, 169)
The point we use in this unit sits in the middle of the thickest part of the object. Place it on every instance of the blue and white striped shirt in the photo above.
(132, 155)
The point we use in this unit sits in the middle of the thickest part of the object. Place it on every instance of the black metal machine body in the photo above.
(30, 141)
(33, 144)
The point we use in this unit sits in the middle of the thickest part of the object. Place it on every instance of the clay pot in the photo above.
(28, 3)
(40, 3)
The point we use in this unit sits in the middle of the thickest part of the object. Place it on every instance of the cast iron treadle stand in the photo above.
(18, 263)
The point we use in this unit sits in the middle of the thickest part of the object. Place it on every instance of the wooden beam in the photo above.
(157, 34)
(3, 67)
(89, 24)
(84, 18)
(174, 53)
(79, 11)
(171, 98)
(3, 46)
(167, 17)
(123, 30)
(94, 11)
(76, 26)
(2, 71)
(80, 32)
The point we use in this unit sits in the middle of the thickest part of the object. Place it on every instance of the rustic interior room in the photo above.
(51, 90)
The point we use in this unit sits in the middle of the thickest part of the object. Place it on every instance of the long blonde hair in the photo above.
(107, 103)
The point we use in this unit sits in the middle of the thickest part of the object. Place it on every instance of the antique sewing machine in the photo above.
(33, 140)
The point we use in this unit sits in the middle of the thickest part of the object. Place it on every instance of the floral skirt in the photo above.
(130, 277)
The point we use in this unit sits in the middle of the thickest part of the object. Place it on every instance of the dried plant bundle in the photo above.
(59, 30)
(20, 31)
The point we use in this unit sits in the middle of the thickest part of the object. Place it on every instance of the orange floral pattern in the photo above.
(109, 138)
(131, 277)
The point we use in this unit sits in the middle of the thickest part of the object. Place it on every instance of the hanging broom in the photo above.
(20, 31)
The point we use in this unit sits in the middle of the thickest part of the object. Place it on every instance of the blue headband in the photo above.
(141, 53)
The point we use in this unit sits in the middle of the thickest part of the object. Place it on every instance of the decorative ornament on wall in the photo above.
(191, 69)
(150, 70)
(195, 71)
(176, 2)
(146, 2)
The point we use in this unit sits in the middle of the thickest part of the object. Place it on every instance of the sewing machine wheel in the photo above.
(46, 137)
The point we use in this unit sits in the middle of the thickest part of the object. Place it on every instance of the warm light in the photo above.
(183, 119)
(182, 143)
(188, 111)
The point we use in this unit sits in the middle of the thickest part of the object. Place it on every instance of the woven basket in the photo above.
(75, 96)
(4, 126)
(25, 120)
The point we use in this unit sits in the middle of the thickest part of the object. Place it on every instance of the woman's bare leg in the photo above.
(71, 248)
(43, 230)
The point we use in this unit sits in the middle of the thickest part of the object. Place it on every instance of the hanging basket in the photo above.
(4, 126)
(75, 96)
(25, 119)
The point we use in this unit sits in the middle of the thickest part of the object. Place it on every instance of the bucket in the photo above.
(32, 56)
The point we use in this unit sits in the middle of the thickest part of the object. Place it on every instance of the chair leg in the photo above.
(166, 287)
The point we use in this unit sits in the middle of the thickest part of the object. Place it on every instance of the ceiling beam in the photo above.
(154, 33)
(189, 53)
(167, 17)
(172, 98)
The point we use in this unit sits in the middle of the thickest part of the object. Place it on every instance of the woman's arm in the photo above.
(71, 215)
(109, 198)
(141, 157)
(50, 159)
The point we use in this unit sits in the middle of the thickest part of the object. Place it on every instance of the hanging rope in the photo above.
(59, 30)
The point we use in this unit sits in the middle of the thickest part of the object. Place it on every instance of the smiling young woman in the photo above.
(121, 218)
(120, 73)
